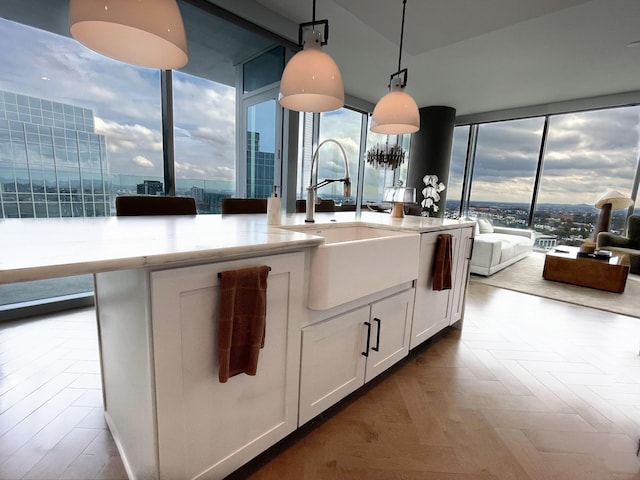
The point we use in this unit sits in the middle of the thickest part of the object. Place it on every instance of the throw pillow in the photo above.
(485, 225)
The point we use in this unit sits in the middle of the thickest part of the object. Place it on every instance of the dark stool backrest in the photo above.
(244, 205)
(323, 206)
(134, 205)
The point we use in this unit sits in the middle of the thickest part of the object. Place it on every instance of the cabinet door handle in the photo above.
(377, 347)
(473, 242)
(366, 352)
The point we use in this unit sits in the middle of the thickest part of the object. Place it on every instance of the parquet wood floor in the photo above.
(530, 388)
(51, 416)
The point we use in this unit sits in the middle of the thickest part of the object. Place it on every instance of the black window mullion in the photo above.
(467, 178)
(536, 184)
(168, 151)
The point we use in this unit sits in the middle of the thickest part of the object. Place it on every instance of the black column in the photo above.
(430, 152)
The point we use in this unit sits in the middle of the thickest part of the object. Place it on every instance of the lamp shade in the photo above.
(311, 81)
(396, 113)
(147, 33)
(615, 198)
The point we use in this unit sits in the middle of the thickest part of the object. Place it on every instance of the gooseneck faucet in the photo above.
(311, 189)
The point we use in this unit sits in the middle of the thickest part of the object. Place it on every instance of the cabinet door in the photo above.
(461, 276)
(208, 429)
(332, 362)
(390, 332)
(432, 309)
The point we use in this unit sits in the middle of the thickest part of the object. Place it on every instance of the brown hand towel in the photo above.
(241, 326)
(442, 265)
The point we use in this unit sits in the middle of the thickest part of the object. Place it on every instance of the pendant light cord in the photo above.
(313, 16)
(404, 7)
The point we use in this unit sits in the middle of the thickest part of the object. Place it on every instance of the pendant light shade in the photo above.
(311, 81)
(147, 33)
(397, 112)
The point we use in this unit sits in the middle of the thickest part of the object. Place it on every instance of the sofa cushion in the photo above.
(511, 245)
(494, 251)
(485, 225)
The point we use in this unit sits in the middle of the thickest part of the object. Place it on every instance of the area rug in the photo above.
(526, 276)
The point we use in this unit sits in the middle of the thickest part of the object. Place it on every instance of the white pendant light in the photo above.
(147, 33)
(311, 81)
(397, 112)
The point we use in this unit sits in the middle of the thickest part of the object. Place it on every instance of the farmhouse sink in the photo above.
(357, 260)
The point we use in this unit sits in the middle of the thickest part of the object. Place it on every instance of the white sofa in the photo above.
(498, 247)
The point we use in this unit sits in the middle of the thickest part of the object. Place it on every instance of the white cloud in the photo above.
(131, 149)
(123, 137)
(142, 161)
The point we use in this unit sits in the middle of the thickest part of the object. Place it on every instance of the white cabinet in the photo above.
(342, 353)
(195, 427)
(207, 429)
(461, 275)
(390, 328)
(437, 309)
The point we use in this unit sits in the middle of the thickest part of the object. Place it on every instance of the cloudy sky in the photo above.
(126, 104)
(587, 153)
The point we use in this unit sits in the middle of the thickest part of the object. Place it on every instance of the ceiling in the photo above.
(474, 55)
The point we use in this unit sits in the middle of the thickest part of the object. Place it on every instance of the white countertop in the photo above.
(33, 249)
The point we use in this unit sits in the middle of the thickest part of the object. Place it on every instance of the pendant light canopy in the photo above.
(147, 33)
(397, 112)
(311, 81)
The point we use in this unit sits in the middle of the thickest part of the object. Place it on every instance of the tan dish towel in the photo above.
(442, 265)
(242, 321)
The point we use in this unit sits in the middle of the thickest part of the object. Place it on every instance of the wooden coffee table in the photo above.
(604, 274)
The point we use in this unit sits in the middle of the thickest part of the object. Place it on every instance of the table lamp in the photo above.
(610, 200)
(399, 196)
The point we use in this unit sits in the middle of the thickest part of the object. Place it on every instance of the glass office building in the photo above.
(260, 168)
(52, 163)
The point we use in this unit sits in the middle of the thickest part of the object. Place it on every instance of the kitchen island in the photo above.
(156, 288)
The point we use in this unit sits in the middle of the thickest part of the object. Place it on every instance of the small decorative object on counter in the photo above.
(274, 208)
(399, 196)
(431, 193)
(587, 247)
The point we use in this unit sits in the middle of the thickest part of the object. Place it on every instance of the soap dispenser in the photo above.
(274, 208)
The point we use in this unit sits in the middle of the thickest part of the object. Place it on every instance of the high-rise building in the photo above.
(260, 168)
(52, 163)
(150, 187)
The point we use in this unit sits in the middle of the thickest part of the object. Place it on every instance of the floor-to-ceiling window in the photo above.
(457, 171)
(204, 140)
(262, 116)
(75, 129)
(70, 121)
(587, 154)
(504, 170)
(548, 176)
